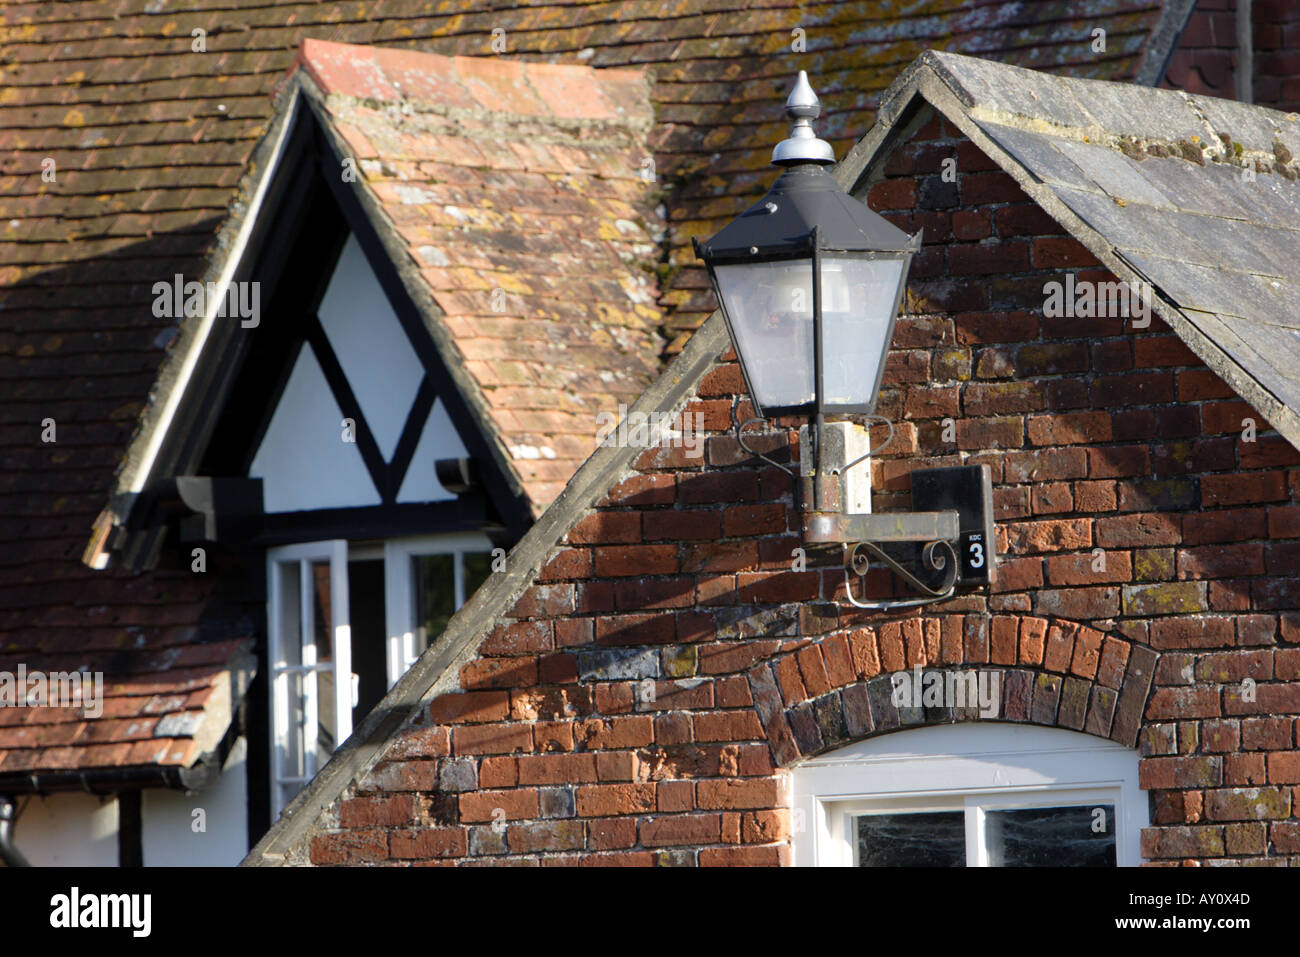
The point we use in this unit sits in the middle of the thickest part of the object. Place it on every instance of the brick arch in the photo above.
(836, 689)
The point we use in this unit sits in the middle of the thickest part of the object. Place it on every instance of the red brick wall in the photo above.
(1098, 436)
(1277, 54)
(1205, 58)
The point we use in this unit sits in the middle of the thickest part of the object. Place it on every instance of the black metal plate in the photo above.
(969, 490)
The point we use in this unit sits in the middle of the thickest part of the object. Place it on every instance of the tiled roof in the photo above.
(975, 95)
(517, 190)
(1198, 196)
(162, 706)
(148, 138)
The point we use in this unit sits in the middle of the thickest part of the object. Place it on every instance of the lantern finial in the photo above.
(803, 146)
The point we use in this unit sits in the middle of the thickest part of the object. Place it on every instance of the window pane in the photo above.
(929, 839)
(290, 609)
(1052, 836)
(478, 566)
(369, 633)
(322, 616)
(323, 636)
(325, 733)
(435, 595)
(292, 762)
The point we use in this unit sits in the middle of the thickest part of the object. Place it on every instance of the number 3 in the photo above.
(977, 555)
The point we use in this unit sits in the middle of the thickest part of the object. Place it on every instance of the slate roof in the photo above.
(1197, 195)
(150, 139)
(517, 190)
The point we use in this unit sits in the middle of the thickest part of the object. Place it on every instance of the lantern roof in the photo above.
(780, 224)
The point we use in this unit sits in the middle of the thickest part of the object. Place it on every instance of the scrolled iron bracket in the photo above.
(930, 557)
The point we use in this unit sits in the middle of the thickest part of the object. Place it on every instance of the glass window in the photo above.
(434, 581)
(292, 759)
(858, 297)
(369, 632)
(308, 649)
(347, 621)
(971, 794)
(977, 833)
(426, 581)
(1051, 836)
(924, 839)
(478, 566)
(323, 675)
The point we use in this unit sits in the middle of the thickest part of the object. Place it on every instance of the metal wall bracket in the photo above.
(882, 527)
(967, 489)
(952, 532)
(936, 556)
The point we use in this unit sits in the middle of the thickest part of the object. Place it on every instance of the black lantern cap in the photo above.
(779, 225)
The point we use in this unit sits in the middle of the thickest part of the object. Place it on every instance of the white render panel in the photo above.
(439, 440)
(372, 347)
(303, 461)
(67, 830)
(168, 821)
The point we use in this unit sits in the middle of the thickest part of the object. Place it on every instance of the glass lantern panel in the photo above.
(858, 297)
(769, 305)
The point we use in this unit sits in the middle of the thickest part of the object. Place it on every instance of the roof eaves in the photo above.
(210, 742)
(195, 777)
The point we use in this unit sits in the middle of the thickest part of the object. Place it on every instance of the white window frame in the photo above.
(972, 766)
(399, 624)
(335, 552)
(399, 589)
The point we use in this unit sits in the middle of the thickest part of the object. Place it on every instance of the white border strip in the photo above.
(135, 480)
